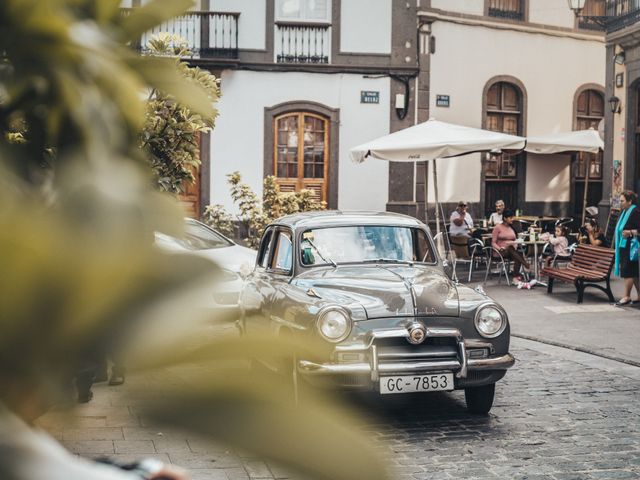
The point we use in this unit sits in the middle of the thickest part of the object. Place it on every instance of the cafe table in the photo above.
(528, 241)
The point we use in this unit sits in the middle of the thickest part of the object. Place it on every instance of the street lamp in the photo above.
(578, 6)
(614, 104)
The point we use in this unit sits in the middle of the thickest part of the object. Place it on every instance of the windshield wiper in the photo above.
(388, 260)
(321, 256)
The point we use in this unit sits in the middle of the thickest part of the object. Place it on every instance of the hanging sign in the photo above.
(367, 96)
(442, 101)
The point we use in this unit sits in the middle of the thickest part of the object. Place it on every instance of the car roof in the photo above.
(336, 218)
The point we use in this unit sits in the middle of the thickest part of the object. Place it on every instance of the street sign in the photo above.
(367, 96)
(442, 101)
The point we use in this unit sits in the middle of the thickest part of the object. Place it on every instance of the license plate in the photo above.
(416, 383)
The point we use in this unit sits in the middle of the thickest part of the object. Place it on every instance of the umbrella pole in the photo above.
(586, 189)
(426, 192)
(435, 193)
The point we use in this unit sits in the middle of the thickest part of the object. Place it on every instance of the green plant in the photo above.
(254, 214)
(218, 216)
(79, 274)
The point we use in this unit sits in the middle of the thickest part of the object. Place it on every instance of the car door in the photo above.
(258, 291)
(281, 270)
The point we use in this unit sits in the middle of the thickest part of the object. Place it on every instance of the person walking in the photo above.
(626, 232)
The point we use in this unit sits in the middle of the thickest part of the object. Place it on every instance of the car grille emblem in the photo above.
(417, 334)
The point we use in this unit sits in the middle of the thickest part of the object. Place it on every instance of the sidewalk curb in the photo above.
(577, 349)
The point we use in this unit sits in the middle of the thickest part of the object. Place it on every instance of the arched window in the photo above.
(504, 113)
(588, 114)
(301, 153)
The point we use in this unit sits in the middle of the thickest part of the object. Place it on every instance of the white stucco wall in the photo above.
(237, 142)
(468, 57)
(548, 178)
(473, 7)
(365, 26)
(551, 12)
(252, 21)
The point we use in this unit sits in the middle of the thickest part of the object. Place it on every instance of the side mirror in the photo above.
(448, 268)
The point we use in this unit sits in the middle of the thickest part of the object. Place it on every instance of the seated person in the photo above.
(590, 234)
(496, 217)
(560, 244)
(461, 222)
(504, 240)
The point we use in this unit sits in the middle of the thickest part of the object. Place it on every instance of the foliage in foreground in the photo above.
(255, 214)
(79, 272)
(171, 132)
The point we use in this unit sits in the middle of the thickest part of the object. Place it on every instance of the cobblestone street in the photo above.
(558, 414)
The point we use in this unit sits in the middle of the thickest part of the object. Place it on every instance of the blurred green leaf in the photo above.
(144, 18)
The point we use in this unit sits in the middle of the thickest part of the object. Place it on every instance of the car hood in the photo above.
(385, 290)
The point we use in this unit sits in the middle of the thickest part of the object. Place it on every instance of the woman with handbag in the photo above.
(626, 238)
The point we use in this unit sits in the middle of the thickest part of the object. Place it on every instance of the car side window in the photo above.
(265, 249)
(283, 253)
(424, 252)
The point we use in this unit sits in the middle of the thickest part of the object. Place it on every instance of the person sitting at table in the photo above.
(496, 217)
(560, 244)
(504, 240)
(461, 221)
(592, 235)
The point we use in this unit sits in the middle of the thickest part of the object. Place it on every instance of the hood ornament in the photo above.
(417, 334)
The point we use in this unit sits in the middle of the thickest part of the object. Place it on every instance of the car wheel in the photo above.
(480, 399)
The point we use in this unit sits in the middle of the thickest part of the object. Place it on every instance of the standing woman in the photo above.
(626, 229)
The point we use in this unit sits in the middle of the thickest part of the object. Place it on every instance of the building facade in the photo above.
(523, 67)
(303, 81)
(622, 126)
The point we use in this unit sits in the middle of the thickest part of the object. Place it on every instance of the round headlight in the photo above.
(490, 321)
(334, 324)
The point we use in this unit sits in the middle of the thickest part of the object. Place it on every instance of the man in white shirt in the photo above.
(496, 217)
(461, 221)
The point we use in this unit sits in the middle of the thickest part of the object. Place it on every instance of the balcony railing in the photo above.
(208, 34)
(302, 43)
(621, 13)
(509, 9)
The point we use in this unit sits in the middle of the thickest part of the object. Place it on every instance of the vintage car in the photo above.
(373, 286)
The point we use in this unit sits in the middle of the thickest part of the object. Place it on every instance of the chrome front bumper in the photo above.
(461, 365)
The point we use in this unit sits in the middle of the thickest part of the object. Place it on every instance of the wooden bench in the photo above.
(589, 265)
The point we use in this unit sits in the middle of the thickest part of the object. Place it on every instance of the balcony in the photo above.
(507, 9)
(621, 14)
(302, 43)
(208, 34)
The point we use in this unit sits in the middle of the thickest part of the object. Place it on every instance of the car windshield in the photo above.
(196, 237)
(365, 243)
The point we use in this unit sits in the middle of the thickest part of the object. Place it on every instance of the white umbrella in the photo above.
(431, 140)
(569, 142)
(577, 141)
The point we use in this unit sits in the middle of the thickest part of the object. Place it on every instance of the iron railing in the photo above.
(302, 43)
(621, 14)
(207, 34)
(509, 9)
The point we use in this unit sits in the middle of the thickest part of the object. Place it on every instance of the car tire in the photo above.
(480, 399)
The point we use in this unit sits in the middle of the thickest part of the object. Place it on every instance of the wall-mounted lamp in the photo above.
(577, 6)
(614, 104)
(400, 106)
(619, 57)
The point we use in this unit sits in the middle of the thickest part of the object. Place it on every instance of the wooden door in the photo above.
(301, 153)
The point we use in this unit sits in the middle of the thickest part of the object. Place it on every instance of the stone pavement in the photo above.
(594, 326)
(559, 414)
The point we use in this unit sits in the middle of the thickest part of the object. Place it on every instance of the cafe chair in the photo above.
(472, 255)
(493, 256)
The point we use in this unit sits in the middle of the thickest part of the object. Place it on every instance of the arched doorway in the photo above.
(589, 111)
(502, 173)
